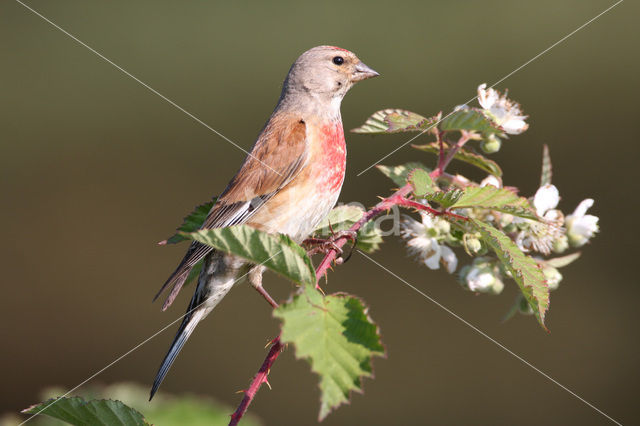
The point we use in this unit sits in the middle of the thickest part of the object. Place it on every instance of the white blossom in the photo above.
(581, 226)
(503, 111)
(541, 236)
(482, 277)
(422, 242)
(547, 198)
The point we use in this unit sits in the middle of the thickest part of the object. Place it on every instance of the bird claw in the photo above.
(325, 245)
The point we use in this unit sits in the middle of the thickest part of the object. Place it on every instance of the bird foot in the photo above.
(324, 245)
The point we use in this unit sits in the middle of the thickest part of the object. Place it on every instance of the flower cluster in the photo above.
(426, 240)
(432, 239)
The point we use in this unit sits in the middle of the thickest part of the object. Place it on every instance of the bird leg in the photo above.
(255, 278)
(323, 245)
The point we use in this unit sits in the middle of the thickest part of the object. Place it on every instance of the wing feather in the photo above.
(278, 156)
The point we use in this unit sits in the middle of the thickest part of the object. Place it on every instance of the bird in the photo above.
(288, 182)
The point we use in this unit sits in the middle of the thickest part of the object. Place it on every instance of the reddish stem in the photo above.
(443, 163)
(382, 206)
(258, 380)
(398, 198)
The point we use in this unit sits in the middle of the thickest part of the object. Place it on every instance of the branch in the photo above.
(443, 161)
(258, 380)
(398, 198)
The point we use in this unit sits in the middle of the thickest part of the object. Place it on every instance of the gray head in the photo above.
(325, 74)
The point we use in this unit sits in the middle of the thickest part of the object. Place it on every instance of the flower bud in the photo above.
(561, 244)
(506, 219)
(553, 277)
(442, 226)
(491, 144)
(473, 245)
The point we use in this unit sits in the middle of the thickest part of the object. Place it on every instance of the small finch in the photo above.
(288, 183)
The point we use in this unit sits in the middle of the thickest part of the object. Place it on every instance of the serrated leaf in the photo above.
(337, 337)
(165, 409)
(499, 199)
(77, 411)
(395, 121)
(545, 176)
(469, 157)
(399, 174)
(421, 182)
(192, 222)
(526, 212)
(344, 217)
(488, 197)
(445, 198)
(524, 270)
(277, 252)
(562, 261)
(340, 218)
(471, 119)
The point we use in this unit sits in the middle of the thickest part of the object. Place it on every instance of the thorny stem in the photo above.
(398, 198)
(258, 380)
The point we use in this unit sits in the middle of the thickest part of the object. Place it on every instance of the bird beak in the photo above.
(363, 72)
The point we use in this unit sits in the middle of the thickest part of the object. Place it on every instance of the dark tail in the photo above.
(195, 253)
(191, 319)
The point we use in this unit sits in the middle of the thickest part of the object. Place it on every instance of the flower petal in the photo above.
(449, 259)
(547, 197)
(583, 207)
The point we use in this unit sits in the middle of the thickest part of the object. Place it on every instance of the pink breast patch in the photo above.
(333, 157)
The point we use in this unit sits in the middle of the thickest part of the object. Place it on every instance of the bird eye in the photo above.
(338, 60)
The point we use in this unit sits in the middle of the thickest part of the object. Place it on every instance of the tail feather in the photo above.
(186, 328)
(195, 253)
(217, 277)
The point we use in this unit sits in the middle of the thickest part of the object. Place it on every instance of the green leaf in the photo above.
(77, 411)
(487, 197)
(469, 157)
(395, 121)
(344, 217)
(399, 174)
(369, 237)
(191, 223)
(524, 270)
(166, 409)
(562, 261)
(340, 218)
(471, 119)
(277, 252)
(337, 337)
(445, 198)
(545, 176)
(421, 182)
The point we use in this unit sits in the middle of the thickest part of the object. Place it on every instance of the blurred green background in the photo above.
(95, 169)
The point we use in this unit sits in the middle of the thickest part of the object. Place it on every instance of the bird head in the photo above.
(326, 73)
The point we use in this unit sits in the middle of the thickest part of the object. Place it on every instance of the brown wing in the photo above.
(277, 157)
